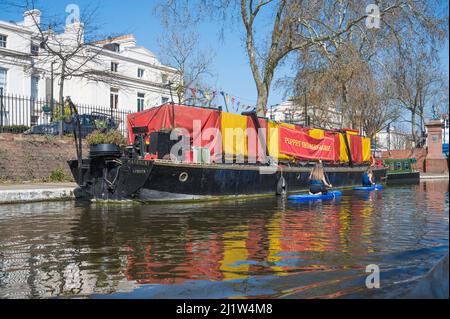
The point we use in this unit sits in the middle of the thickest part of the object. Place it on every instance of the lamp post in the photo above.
(169, 85)
(388, 130)
(307, 122)
(52, 101)
(306, 110)
(271, 111)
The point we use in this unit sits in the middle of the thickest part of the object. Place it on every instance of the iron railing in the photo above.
(19, 113)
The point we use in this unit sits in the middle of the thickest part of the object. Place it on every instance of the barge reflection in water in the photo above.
(253, 248)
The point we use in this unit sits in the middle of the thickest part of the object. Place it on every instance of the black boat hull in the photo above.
(127, 179)
(403, 178)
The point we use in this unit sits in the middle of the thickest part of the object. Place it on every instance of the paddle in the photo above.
(325, 174)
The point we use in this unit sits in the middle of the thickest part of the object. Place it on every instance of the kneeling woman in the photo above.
(368, 179)
(317, 182)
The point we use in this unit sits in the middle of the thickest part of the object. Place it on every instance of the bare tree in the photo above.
(377, 116)
(335, 81)
(419, 86)
(400, 139)
(73, 46)
(296, 26)
(180, 49)
(352, 72)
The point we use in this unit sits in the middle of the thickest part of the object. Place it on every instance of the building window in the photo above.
(140, 73)
(34, 49)
(140, 101)
(115, 47)
(165, 78)
(34, 87)
(3, 73)
(164, 100)
(3, 41)
(114, 66)
(114, 99)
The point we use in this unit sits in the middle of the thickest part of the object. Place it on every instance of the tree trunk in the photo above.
(261, 103)
(345, 103)
(413, 126)
(263, 90)
(61, 99)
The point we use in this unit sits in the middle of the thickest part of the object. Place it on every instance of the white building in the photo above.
(393, 140)
(294, 112)
(139, 80)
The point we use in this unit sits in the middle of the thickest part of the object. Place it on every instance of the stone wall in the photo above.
(418, 153)
(33, 157)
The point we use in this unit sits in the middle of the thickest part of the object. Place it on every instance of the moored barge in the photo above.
(179, 152)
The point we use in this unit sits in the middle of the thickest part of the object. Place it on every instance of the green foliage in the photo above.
(57, 113)
(57, 175)
(17, 129)
(101, 125)
(111, 137)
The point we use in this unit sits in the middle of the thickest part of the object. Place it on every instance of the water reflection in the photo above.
(266, 247)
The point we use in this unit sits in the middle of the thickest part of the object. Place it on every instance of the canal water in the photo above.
(232, 249)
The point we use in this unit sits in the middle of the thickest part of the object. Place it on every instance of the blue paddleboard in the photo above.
(368, 188)
(308, 197)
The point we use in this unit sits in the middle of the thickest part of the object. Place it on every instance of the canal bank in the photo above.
(24, 193)
(431, 176)
(35, 158)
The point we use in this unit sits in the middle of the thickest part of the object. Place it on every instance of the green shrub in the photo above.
(17, 129)
(101, 125)
(111, 137)
(57, 175)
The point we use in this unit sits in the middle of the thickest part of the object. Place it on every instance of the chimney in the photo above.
(75, 31)
(127, 41)
(32, 19)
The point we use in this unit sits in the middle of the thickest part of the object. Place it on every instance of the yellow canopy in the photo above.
(316, 133)
(366, 149)
(234, 138)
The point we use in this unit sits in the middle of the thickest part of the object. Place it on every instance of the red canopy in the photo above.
(186, 117)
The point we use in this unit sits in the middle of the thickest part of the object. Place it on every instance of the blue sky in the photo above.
(232, 72)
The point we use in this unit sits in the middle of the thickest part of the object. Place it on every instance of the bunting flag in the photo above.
(207, 95)
(225, 99)
(230, 100)
(194, 92)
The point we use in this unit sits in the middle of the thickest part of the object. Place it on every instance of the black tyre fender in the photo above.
(281, 186)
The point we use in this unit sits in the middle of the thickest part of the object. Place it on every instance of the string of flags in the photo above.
(232, 104)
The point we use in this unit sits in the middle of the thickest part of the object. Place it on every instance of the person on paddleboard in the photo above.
(317, 181)
(368, 180)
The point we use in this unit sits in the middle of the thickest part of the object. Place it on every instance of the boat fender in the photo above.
(281, 186)
(183, 177)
